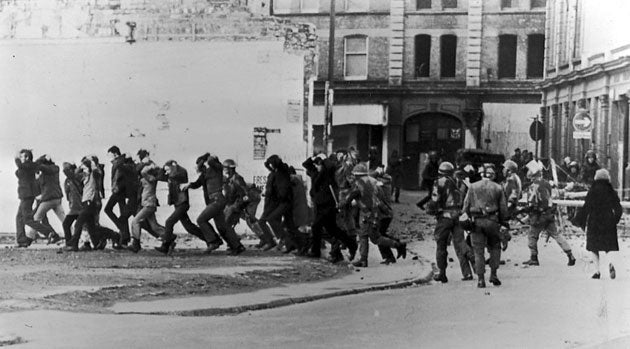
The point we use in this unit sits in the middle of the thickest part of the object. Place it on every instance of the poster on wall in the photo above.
(260, 143)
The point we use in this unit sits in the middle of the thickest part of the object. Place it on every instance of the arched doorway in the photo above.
(424, 132)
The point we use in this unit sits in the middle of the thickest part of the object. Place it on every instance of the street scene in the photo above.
(314, 173)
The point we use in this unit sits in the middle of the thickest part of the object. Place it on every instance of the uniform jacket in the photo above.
(484, 198)
(235, 189)
(446, 196)
(539, 196)
(50, 188)
(370, 196)
(599, 216)
(25, 173)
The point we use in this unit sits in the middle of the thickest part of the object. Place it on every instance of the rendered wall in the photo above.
(176, 99)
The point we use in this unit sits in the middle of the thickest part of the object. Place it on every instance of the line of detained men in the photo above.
(342, 190)
(483, 208)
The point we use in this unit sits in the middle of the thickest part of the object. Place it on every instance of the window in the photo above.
(507, 56)
(423, 55)
(282, 6)
(357, 5)
(423, 4)
(539, 3)
(448, 55)
(506, 3)
(449, 3)
(355, 65)
(535, 55)
(309, 5)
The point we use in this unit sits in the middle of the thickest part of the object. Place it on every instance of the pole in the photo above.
(328, 89)
(536, 132)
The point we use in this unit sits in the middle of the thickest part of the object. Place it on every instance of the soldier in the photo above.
(323, 192)
(485, 203)
(542, 217)
(176, 177)
(385, 183)
(446, 203)
(365, 192)
(513, 191)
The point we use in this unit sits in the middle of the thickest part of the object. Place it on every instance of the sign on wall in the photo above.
(582, 125)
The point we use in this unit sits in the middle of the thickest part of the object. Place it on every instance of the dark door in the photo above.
(426, 132)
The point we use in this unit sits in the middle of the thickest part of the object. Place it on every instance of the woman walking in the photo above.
(599, 217)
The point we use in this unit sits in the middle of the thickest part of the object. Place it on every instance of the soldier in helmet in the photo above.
(429, 175)
(513, 190)
(590, 166)
(542, 217)
(366, 191)
(446, 203)
(485, 202)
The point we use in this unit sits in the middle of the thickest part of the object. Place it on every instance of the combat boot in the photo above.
(533, 260)
(135, 246)
(571, 258)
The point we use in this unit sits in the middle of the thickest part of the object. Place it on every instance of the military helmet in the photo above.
(446, 168)
(489, 170)
(229, 163)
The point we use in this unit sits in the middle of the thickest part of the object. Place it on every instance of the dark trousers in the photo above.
(25, 217)
(122, 221)
(326, 217)
(214, 211)
(486, 234)
(67, 227)
(371, 231)
(396, 194)
(386, 252)
(279, 216)
(86, 218)
(447, 229)
(180, 214)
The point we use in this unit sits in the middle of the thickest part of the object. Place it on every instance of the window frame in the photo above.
(416, 38)
(544, 5)
(528, 73)
(418, 8)
(346, 54)
(511, 4)
(442, 55)
(514, 63)
(444, 7)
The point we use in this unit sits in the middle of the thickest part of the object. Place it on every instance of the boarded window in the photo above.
(355, 57)
(507, 56)
(449, 3)
(535, 55)
(448, 56)
(506, 3)
(423, 4)
(423, 55)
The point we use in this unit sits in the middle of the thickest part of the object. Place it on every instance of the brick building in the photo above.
(587, 72)
(421, 75)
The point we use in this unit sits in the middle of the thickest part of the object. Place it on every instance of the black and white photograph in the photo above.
(315, 174)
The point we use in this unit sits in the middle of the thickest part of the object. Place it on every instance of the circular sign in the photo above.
(537, 131)
(582, 122)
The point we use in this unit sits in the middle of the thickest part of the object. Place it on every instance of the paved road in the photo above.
(551, 306)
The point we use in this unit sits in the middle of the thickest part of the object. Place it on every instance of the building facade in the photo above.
(417, 75)
(587, 77)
